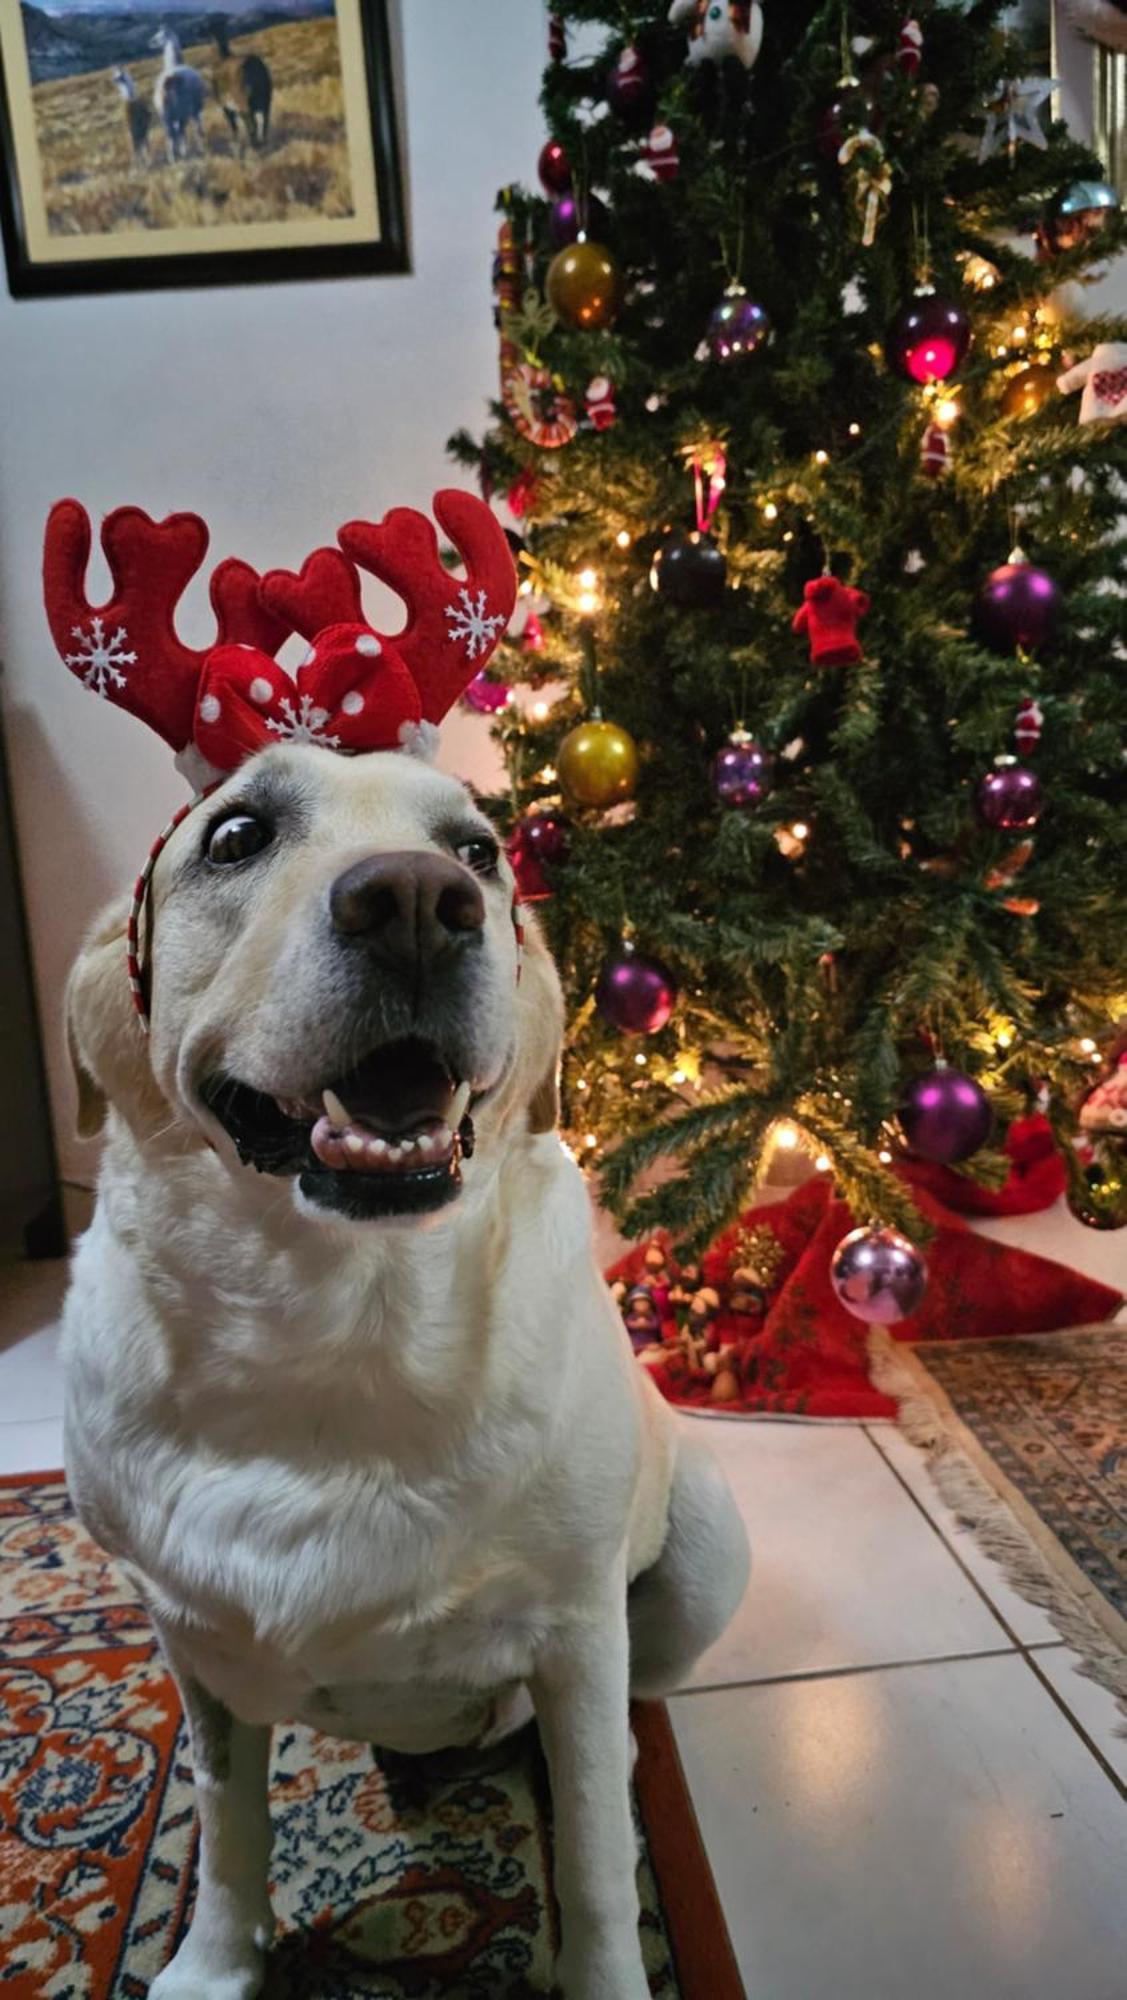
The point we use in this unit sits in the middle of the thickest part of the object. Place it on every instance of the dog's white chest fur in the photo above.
(363, 1483)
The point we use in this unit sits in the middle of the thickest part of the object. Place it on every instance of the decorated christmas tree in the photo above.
(813, 453)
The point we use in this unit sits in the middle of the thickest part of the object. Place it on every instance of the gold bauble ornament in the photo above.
(597, 764)
(1025, 393)
(584, 287)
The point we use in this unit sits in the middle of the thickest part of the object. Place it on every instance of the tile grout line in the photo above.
(1025, 1651)
(854, 1672)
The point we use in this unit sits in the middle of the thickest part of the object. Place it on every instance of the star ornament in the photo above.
(1013, 115)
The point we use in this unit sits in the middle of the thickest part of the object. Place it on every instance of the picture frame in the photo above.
(258, 144)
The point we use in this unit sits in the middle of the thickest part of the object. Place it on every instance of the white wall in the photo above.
(276, 412)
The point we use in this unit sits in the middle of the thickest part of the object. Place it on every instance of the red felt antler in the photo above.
(452, 627)
(128, 649)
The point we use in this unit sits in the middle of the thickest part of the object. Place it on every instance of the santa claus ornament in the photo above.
(354, 691)
(720, 29)
(1028, 726)
(829, 615)
(935, 452)
(660, 160)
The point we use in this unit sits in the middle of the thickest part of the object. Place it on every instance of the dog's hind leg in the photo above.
(222, 1956)
(681, 1605)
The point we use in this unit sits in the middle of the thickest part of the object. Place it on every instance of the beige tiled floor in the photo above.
(906, 1789)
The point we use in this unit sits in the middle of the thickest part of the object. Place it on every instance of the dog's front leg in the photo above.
(222, 1956)
(581, 1694)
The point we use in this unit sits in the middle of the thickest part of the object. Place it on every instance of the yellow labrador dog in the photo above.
(345, 1388)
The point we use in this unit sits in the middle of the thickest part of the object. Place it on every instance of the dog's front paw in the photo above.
(205, 1972)
(610, 1970)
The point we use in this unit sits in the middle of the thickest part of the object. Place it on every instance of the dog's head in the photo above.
(335, 999)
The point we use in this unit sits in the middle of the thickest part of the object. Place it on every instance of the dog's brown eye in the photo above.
(237, 839)
(481, 855)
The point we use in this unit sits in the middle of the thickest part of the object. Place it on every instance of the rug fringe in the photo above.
(1077, 1611)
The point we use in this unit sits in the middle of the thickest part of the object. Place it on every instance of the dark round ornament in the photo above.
(1018, 605)
(928, 340)
(1099, 1200)
(742, 772)
(570, 215)
(539, 841)
(554, 168)
(583, 285)
(945, 1116)
(690, 571)
(1077, 215)
(737, 328)
(635, 993)
(878, 1275)
(1027, 391)
(1009, 798)
(630, 88)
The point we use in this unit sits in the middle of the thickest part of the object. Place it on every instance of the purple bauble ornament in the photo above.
(737, 328)
(742, 771)
(485, 695)
(571, 214)
(1018, 605)
(1009, 797)
(945, 1116)
(635, 993)
(928, 339)
(540, 840)
(878, 1276)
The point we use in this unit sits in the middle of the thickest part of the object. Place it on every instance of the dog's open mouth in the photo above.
(386, 1138)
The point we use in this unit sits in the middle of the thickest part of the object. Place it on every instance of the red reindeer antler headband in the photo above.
(355, 690)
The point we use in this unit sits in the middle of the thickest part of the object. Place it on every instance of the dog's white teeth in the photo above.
(377, 1149)
(460, 1105)
(425, 1143)
(354, 1142)
(394, 1155)
(336, 1111)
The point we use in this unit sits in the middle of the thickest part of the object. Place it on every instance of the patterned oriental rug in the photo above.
(398, 1879)
(1027, 1440)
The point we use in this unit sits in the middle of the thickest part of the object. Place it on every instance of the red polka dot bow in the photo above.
(355, 690)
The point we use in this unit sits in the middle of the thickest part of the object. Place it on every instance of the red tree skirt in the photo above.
(806, 1356)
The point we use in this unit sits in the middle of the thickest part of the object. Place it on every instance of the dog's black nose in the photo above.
(408, 907)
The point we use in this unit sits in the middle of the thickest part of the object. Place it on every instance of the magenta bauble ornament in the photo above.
(1018, 605)
(575, 213)
(928, 339)
(486, 696)
(1010, 797)
(945, 1116)
(878, 1276)
(554, 168)
(742, 771)
(539, 841)
(738, 327)
(635, 993)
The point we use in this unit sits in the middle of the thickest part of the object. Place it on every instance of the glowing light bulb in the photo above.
(885, 1157)
(588, 602)
(1004, 1037)
(1088, 1046)
(821, 458)
(786, 1137)
(526, 587)
(770, 511)
(854, 430)
(588, 579)
(623, 538)
(540, 711)
(641, 1061)
(800, 830)
(679, 1076)
(590, 1141)
(947, 411)
(823, 1163)
(583, 1084)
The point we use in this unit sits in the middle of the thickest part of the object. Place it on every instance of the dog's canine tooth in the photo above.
(460, 1105)
(340, 1117)
(425, 1143)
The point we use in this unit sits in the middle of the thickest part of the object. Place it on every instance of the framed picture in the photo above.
(144, 145)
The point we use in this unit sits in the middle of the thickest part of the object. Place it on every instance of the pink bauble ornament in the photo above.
(1018, 605)
(554, 168)
(540, 840)
(486, 696)
(635, 993)
(878, 1276)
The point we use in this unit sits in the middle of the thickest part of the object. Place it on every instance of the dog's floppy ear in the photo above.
(542, 1006)
(107, 1045)
(544, 1104)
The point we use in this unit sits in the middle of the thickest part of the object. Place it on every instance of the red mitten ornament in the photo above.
(829, 616)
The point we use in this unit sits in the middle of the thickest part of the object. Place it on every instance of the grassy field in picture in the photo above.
(92, 184)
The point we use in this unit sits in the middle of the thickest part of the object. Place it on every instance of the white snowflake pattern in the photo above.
(305, 724)
(469, 620)
(100, 660)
